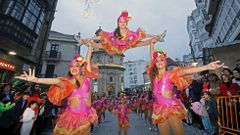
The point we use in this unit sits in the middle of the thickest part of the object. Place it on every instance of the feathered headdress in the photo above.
(79, 59)
(124, 15)
(158, 53)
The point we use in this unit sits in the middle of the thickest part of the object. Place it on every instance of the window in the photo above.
(29, 12)
(110, 79)
(54, 47)
(111, 59)
(122, 79)
(54, 51)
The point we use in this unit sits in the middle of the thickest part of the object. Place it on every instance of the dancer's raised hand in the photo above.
(215, 65)
(30, 76)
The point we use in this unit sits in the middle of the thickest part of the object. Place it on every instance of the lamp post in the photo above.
(79, 45)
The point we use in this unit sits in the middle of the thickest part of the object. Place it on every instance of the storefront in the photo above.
(7, 71)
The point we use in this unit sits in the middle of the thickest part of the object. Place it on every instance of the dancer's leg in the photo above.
(88, 131)
(146, 116)
(176, 125)
(88, 41)
(164, 128)
(153, 38)
(150, 120)
(125, 131)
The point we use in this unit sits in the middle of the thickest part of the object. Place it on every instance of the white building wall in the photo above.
(133, 74)
(67, 48)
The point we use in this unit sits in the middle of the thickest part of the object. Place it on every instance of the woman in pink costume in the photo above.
(122, 111)
(122, 38)
(168, 111)
(78, 115)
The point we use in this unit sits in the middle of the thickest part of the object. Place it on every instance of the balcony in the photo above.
(52, 56)
(14, 30)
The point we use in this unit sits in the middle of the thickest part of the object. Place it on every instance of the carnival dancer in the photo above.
(122, 38)
(78, 114)
(168, 111)
(122, 111)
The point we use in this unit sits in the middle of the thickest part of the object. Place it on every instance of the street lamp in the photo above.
(78, 38)
(12, 53)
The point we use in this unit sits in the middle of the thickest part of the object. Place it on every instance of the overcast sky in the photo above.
(154, 16)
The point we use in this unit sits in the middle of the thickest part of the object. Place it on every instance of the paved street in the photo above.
(109, 127)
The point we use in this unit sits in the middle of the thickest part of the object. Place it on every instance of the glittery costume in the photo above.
(166, 104)
(77, 117)
(114, 45)
(122, 112)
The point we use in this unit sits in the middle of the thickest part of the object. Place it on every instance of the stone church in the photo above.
(111, 79)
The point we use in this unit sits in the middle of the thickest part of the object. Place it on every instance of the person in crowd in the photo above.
(214, 85)
(238, 64)
(9, 122)
(211, 106)
(228, 72)
(236, 76)
(5, 107)
(28, 118)
(227, 87)
(6, 92)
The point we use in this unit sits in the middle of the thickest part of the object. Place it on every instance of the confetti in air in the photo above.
(88, 5)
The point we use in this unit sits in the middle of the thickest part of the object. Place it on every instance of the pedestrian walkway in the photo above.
(109, 127)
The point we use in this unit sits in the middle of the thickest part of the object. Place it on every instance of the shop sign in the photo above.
(6, 65)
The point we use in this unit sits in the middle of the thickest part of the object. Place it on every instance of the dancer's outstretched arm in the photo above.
(30, 77)
(211, 66)
(88, 57)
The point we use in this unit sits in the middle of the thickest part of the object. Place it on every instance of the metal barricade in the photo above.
(229, 115)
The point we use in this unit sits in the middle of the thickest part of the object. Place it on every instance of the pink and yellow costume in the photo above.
(77, 117)
(166, 103)
(122, 112)
(114, 45)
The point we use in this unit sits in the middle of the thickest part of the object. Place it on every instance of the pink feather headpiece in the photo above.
(124, 15)
(158, 53)
(79, 59)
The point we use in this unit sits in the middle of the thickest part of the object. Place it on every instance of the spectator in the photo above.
(204, 113)
(238, 64)
(214, 85)
(10, 119)
(228, 72)
(46, 117)
(5, 107)
(211, 105)
(227, 87)
(6, 91)
(195, 90)
(236, 75)
(28, 119)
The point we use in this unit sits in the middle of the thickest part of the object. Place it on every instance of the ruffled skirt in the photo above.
(161, 112)
(70, 123)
